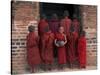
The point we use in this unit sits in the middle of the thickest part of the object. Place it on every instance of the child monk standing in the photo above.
(76, 26)
(33, 54)
(60, 41)
(71, 48)
(47, 48)
(82, 50)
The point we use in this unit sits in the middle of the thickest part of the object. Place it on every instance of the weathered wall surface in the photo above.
(24, 14)
(89, 21)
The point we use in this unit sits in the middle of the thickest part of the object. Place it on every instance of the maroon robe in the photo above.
(75, 41)
(75, 24)
(66, 23)
(82, 51)
(47, 48)
(62, 59)
(41, 26)
(70, 47)
(54, 25)
(33, 53)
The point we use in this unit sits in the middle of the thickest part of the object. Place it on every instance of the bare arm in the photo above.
(65, 39)
(56, 43)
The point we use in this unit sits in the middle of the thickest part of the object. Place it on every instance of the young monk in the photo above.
(75, 42)
(54, 23)
(71, 48)
(82, 50)
(42, 24)
(60, 41)
(47, 48)
(33, 54)
(75, 23)
(41, 27)
(66, 22)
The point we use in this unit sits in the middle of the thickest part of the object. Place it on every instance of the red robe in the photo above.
(76, 23)
(70, 47)
(62, 59)
(82, 51)
(33, 54)
(66, 23)
(41, 26)
(47, 48)
(75, 40)
(54, 25)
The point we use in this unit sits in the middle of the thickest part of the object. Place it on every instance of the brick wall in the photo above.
(23, 15)
(27, 13)
(89, 21)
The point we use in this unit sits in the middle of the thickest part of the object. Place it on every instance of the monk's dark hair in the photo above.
(54, 15)
(60, 27)
(31, 28)
(43, 16)
(66, 13)
(46, 29)
(74, 15)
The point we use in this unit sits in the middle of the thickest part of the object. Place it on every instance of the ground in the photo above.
(67, 69)
(55, 68)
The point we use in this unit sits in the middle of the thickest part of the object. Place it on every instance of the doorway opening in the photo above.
(50, 8)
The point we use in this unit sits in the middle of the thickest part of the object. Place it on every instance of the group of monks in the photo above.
(60, 35)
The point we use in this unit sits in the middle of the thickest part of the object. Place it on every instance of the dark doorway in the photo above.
(50, 8)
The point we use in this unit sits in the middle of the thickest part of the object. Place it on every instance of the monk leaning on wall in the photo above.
(33, 54)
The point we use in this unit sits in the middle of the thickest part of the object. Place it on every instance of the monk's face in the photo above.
(66, 16)
(61, 29)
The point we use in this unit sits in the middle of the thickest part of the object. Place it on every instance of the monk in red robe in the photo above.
(42, 24)
(41, 27)
(47, 48)
(75, 23)
(54, 23)
(75, 41)
(82, 50)
(60, 41)
(66, 22)
(71, 48)
(33, 54)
